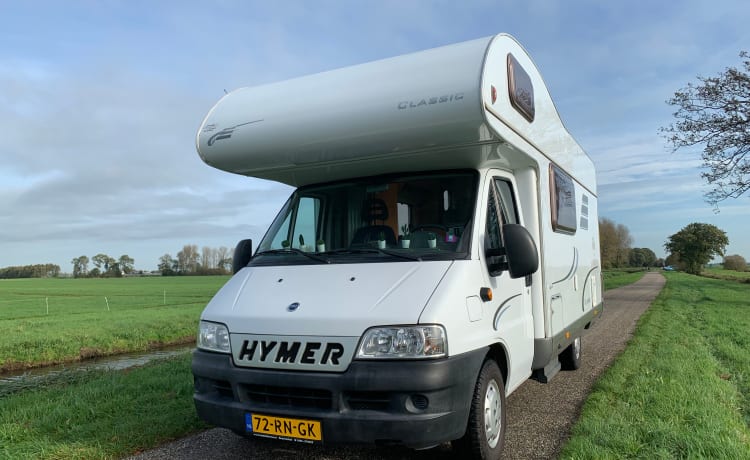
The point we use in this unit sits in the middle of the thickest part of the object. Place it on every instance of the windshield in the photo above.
(393, 218)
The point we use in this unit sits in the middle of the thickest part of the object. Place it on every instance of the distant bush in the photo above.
(735, 262)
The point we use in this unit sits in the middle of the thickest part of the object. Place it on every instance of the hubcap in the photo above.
(492, 413)
(577, 348)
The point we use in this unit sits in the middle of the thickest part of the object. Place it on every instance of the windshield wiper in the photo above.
(296, 251)
(374, 251)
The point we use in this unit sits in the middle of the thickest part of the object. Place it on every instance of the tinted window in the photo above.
(562, 201)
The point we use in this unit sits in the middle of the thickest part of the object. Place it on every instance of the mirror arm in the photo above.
(495, 252)
(496, 269)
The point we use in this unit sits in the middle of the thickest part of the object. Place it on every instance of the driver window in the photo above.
(494, 221)
(501, 210)
(306, 224)
(507, 202)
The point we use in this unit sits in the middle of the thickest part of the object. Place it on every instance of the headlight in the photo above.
(403, 342)
(213, 337)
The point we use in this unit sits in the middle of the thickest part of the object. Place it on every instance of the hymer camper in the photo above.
(441, 247)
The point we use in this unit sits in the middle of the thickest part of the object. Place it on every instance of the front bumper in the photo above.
(412, 403)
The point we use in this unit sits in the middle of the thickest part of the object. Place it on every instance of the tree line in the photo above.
(690, 249)
(31, 271)
(190, 261)
(104, 266)
(615, 246)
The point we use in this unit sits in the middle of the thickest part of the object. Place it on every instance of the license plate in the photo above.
(269, 426)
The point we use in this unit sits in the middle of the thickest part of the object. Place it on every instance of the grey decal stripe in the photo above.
(573, 267)
(500, 310)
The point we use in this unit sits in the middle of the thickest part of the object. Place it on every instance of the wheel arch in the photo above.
(498, 353)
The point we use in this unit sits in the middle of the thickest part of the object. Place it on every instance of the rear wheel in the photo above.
(485, 433)
(570, 358)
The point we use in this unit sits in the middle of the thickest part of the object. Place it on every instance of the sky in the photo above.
(100, 102)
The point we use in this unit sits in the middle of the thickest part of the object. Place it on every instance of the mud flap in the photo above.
(551, 369)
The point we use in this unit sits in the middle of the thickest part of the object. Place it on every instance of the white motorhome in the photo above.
(440, 249)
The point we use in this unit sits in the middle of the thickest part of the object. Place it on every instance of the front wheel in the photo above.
(485, 433)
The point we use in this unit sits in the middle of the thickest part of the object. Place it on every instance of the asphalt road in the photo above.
(539, 415)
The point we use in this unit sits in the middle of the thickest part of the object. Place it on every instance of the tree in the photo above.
(642, 257)
(614, 243)
(106, 266)
(187, 259)
(735, 262)
(696, 245)
(208, 258)
(80, 266)
(673, 260)
(126, 263)
(624, 240)
(715, 114)
(224, 256)
(101, 261)
(167, 265)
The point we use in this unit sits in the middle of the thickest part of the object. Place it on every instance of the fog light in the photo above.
(420, 401)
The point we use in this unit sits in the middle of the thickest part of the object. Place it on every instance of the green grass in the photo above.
(680, 390)
(682, 387)
(98, 414)
(721, 273)
(615, 278)
(94, 317)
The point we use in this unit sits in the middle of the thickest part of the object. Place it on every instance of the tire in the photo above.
(485, 432)
(570, 358)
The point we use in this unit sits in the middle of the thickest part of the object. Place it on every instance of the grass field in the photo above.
(682, 387)
(680, 390)
(616, 278)
(727, 274)
(98, 414)
(47, 321)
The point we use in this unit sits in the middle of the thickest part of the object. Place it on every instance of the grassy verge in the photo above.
(616, 278)
(720, 273)
(91, 415)
(682, 387)
(47, 321)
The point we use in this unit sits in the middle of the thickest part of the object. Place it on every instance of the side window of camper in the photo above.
(562, 201)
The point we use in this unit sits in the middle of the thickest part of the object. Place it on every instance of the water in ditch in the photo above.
(15, 381)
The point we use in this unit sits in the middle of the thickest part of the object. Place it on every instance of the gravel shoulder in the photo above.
(539, 415)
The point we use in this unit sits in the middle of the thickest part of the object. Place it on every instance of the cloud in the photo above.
(100, 104)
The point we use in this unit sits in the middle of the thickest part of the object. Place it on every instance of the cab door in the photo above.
(510, 307)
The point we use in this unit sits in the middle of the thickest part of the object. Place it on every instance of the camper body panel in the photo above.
(566, 257)
(366, 119)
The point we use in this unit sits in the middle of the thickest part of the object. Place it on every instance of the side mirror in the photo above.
(242, 254)
(520, 250)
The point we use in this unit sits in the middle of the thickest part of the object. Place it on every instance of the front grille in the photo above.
(223, 388)
(287, 396)
(367, 400)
